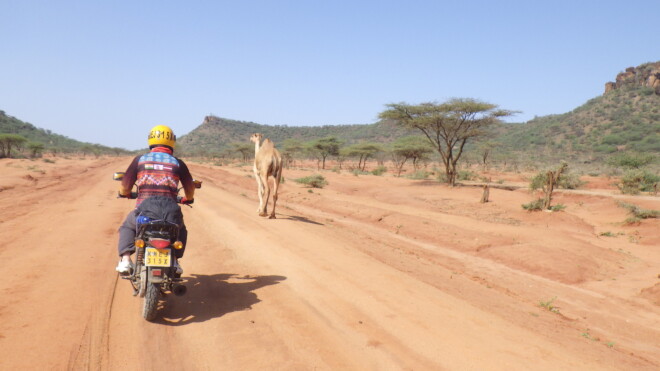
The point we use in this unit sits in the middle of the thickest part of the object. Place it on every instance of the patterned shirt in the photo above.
(157, 173)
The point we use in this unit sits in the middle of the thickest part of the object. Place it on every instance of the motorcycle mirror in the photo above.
(118, 175)
(198, 183)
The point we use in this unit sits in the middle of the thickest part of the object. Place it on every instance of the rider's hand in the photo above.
(186, 201)
(119, 195)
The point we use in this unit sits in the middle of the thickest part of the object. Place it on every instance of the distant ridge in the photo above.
(216, 133)
(52, 142)
(625, 118)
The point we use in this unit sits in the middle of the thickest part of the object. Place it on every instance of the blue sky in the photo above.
(107, 71)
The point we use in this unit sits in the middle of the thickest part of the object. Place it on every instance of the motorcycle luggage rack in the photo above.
(161, 229)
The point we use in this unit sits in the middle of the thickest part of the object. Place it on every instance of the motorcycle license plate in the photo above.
(157, 258)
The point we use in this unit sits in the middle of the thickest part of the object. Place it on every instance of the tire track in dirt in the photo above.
(58, 291)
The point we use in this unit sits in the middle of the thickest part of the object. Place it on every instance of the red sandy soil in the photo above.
(368, 273)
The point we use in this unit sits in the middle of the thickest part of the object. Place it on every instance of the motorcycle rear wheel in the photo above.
(152, 293)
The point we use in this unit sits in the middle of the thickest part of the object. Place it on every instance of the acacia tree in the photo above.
(291, 147)
(485, 151)
(406, 148)
(363, 151)
(244, 149)
(9, 142)
(35, 149)
(325, 147)
(86, 149)
(448, 126)
(311, 151)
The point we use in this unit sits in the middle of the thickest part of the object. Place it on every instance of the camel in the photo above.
(267, 163)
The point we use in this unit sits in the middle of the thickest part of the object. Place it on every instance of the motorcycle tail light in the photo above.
(178, 245)
(157, 272)
(159, 243)
(139, 243)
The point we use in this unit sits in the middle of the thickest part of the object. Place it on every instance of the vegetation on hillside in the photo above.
(626, 119)
(216, 134)
(22, 139)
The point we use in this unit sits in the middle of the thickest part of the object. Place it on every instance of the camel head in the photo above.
(256, 138)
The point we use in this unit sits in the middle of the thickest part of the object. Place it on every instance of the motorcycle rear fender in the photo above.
(157, 279)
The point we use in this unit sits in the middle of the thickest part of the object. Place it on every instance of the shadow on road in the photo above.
(301, 219)
(212, 296)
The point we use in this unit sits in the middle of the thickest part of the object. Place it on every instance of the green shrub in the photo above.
(646, 91)
(536, 205)
(314, 181)
(613, 139)
(651, 143)
(566, 181)
(639, 213)
(379, 170)
(631, 160)
(558, 207)
(605, 148)
(466, 175)
(635, 181)
(419, 174)
(570, 181)
(357, 172)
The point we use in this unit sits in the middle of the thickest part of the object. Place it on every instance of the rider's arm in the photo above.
(186, 180)
(129, 178)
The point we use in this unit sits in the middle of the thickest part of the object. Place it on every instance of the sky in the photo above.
(107, 71)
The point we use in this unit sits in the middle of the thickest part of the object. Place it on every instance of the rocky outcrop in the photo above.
(609, 86)
(645, 75)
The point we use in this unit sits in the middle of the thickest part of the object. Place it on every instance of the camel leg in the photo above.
(266, 196)
(260, 191)
(276, 185)
(263, 205)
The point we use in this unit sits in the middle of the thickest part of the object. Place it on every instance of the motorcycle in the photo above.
(154, 273)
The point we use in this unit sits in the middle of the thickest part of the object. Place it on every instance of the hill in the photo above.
(625, 118)
(216, 134)
(52, 142)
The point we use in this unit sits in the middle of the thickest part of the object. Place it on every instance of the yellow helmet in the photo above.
(162, 135)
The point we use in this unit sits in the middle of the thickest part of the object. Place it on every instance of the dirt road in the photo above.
(369, 273)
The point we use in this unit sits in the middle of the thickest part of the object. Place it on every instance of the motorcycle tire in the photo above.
(150, 301)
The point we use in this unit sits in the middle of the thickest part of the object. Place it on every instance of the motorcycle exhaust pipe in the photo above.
(179, 290)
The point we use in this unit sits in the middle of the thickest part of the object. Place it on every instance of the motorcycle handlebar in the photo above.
(179, 199)
(132, 196)
(184, 201)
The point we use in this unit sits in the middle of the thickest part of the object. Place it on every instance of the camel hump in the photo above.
(267, 143)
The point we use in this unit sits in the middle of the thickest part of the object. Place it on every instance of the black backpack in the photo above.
(161, 208)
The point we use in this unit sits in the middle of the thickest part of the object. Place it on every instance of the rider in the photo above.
(156, 173)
